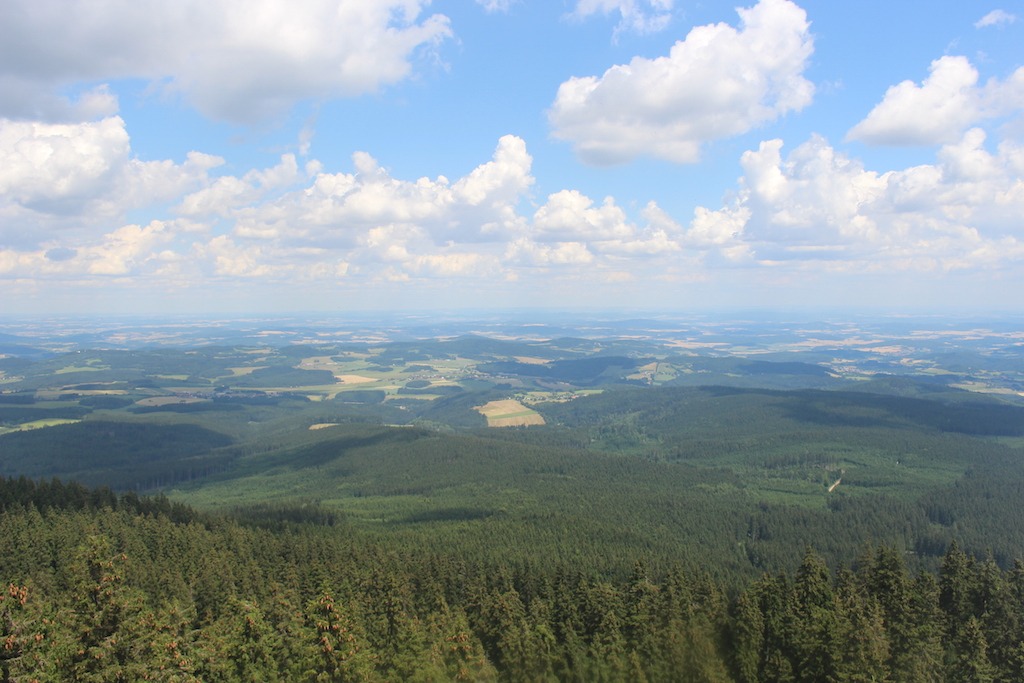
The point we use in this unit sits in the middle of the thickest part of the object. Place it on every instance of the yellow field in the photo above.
(354, 379)
(509, 413)
(80, 368)
(37, 424)
(246, 370)
(530, 360)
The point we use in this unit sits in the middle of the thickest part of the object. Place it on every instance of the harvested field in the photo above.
(509, 413)
(354, 379)
(530, 360)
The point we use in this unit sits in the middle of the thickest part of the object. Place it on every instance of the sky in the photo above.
(212, 157)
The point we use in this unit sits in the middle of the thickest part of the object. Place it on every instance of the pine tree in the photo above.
(862, 641)
(815, 623)
(101, 641)
(746, 638)
(342, 653)
(969, 662)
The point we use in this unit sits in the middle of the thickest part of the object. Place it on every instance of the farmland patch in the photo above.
(509, 413)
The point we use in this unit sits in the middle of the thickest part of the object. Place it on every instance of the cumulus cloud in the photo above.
(55, 168)
(57, 177)
(128, 248)
(637, 16)
(811, 207)
(996, 17)
(339, 207)
(235, 61)
(941, 108)
(936, 111)
(227, 193)
(570, 216)
(525, 251)
(718, 82)
(817, 204)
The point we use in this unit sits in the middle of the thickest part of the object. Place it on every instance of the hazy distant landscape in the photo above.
(823, 416)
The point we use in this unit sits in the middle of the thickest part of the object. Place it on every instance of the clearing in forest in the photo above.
(509, 413)
(354, 379)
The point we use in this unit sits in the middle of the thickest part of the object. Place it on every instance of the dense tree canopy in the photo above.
(101, 587)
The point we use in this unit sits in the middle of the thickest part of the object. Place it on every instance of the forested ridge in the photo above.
(106, 587)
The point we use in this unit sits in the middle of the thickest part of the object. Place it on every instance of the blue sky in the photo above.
(218, 156)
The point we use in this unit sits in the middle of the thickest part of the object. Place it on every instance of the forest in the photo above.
(107, 587)
(690, 508)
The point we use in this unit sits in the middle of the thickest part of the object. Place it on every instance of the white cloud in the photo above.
(230, 259)
(227, 193)
(569, 216)
(817, 205)
(56, 168)
(501, 180)
(496, 5)
(339, 207)
(717, 228)
(637, 16)
(127, 249)
(996, 17)
(456, 264)
(526, 252)
(647, 243)
(718, 82)
(72, 177)
(233, 60)
(937, 111)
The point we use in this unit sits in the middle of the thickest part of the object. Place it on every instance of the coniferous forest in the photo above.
(126, 588)
(476, 509)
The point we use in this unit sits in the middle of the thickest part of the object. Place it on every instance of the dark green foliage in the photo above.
(105, 402)
(21, 398)
(193, 407)
(18, 414)
(760, 367)
(581, 372)
(668, 410)
(440, 390)
(122, 592)
(368, 396)
(117, 454)
(458, 410)
(283, 376)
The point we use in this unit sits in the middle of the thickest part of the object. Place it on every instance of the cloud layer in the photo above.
(67, 190)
